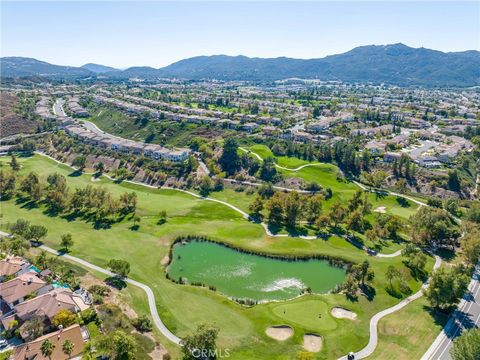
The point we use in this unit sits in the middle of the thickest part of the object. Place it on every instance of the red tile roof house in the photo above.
(45, 306)
(12, 266)
(31, 350)
(15, 291)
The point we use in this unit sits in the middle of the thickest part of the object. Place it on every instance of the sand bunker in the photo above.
(381, 209)
(312, 342)
(280, 333)
(341, 313)
(165, 260)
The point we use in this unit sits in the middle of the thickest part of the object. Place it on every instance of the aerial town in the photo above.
(314, 194)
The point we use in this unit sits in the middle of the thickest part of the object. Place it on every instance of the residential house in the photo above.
(15, 291)
(13, 266)
(32, 349)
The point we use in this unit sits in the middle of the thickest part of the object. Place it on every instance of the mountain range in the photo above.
(393, 64)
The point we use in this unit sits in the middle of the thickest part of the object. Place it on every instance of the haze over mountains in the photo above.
(394, 64)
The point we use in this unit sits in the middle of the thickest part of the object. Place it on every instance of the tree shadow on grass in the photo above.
(368, 291)
(404, 203)
(116, 281)
(75, 173)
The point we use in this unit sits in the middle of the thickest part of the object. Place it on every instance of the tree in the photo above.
(119, 267)
(337, 213)
(47, 348)
(313, 208)
(268, 170)
(99, 168)
(391, 274)
(362, 273)
(143, 323)
(128, 202)
(293, 207)
(275, 210)
(446, 288)
(454, 181)
(473, 214)
(64, 318)
(256, 207)
(80, 162)
(470, 246)
(14, 164)
(205, 185)
(433, 227)
(118, 345)
(200, 344)
(31, 186)
(66, 241)
(67, 347)
(467, 346)
(8, 183)
(322, 221)
(20, 227)
(33, 328)
(229, 160)
(36, 232)
(355, 221)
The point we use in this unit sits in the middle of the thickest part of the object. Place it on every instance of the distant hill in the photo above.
(98, 69)
(395, 64)
(22, 67)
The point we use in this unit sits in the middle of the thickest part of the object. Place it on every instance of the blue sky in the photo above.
(157, 33)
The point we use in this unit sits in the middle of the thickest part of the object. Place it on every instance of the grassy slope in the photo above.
(326, 175)
(184, 307)
(407, 334)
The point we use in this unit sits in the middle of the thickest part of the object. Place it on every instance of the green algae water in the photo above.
(247, 276)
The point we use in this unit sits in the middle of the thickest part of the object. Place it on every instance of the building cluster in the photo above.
(30, 299)
(95, 137)
(42, 108)
(90, 134)
(76, 109)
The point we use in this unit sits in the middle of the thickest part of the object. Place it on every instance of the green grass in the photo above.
(408, 333)
(181, 307)
(328, 175)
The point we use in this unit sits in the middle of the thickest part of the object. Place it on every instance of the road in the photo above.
(58, 108)
(466, 316)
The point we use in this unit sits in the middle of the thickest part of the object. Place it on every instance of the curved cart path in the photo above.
(372, 343)
(151, 297)
(233, 207)
(368, 350)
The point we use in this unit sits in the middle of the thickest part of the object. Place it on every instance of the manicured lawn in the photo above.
(182, 307)
(328, 175)
(408, 333)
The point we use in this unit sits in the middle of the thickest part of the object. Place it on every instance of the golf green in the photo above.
(248, 276)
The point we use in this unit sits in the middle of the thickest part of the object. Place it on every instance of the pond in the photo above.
(247, 276)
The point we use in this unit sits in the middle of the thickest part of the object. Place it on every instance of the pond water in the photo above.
(247, 276)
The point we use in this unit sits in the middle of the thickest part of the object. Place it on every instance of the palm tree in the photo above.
(67, 347)
(42, 259)
(47, 348)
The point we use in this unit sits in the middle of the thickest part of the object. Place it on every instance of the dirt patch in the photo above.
(113, 297)
(381, 209)
(341, 313)
(312, 342)
(280, 332)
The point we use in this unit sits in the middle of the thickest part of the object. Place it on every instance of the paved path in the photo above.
(58, 108)
(151, 297)
(372, 343)
(466, 316)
